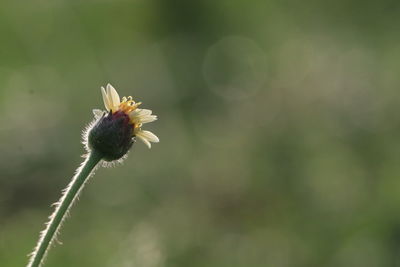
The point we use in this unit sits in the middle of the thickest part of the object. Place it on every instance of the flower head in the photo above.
(114, 133)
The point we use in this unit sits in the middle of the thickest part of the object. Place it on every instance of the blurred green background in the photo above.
(278, 123)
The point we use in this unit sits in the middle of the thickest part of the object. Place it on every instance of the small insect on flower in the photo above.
(114, 132)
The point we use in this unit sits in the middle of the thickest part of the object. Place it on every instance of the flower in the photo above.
(114, 132)
(128, 106)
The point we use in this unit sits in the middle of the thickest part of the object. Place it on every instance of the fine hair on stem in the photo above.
(62, 207)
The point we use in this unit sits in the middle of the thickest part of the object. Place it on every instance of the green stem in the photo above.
(62, 207)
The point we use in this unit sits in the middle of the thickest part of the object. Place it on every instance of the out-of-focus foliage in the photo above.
(278, 122)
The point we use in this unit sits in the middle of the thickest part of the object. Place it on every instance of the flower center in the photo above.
(127, 105)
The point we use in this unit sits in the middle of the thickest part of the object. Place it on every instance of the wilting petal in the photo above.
(97, 113)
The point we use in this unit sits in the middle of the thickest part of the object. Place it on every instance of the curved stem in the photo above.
(62, 207)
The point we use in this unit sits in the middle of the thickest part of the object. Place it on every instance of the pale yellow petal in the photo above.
(147, 119)
(113, 96)
(134, 113)
(105, 99)
(144, 140)
(150, 136)
(144, 112)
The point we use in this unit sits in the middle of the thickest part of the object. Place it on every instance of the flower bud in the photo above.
(112, 135)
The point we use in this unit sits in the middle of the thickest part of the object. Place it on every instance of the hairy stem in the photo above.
(62, 207)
